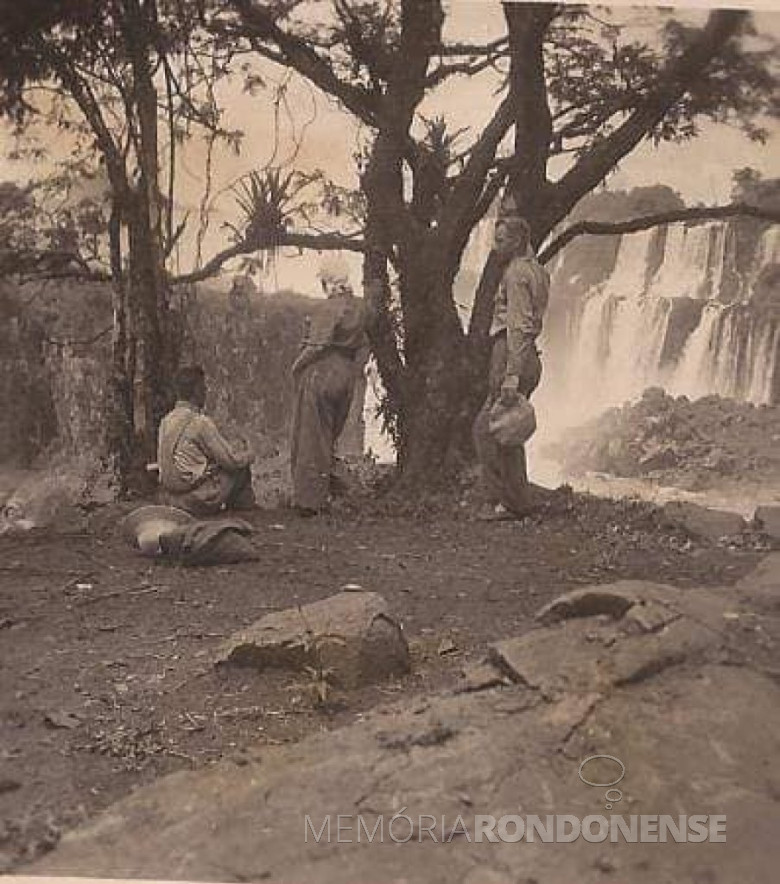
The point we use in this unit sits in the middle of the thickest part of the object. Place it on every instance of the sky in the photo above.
(326, 137)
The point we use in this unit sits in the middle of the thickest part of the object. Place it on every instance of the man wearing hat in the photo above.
(200, 471)
(331, 360)
(515, 367)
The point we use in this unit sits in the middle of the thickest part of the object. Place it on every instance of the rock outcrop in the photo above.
(691, 444)
(349, 639)
(633, 672)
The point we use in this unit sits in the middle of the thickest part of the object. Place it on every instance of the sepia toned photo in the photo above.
(389, 442)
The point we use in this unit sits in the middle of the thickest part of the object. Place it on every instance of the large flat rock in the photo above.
(602, 636)
(349, 638)
(694, 736)
(704, 522)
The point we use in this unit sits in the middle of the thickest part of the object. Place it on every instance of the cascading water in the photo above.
(692, 375)
(685, 320)
(763, 368)
(685, 271)
(616, 338)
(769, 247)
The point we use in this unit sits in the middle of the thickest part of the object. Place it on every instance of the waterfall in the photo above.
(616, 337)
(628, 279)
(692, 328)
(691, 374)
(769, 247)
(764, 364)
(686, 269)
(616, 352)
(731, 353)
(716, 264)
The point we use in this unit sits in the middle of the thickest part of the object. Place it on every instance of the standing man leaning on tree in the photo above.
(515, 366)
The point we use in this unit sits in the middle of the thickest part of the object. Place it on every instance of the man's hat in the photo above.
(144, 527)
(173, 534)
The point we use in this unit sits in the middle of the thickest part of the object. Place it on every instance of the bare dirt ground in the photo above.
(106, 676)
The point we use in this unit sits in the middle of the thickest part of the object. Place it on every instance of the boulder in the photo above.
(649, 603)
(767, 518)
(613, 635)
(349, 638)
(703, 522)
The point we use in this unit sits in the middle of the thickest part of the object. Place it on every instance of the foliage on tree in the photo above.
(751, 187)
(54, 227)
(577, 93)
(124, 82)
(580, 95)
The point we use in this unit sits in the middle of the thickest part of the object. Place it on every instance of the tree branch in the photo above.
(672, 84)
(48, 264)
(90, 107)
(299, 54)
(528, 24)
(421, 24)
(468, 187)
(489, 194)
(645, 222)
(318, 242)
(469, 68)
(475, 49)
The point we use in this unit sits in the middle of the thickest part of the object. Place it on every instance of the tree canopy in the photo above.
(573, 92)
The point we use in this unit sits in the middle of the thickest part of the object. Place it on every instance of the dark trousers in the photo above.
(323, 394)
(504, 470)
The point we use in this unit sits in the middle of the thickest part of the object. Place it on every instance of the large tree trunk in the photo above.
(145, 349)
(438, 376)
(433, 383)
(145, 352)
(119, 435)
(435, 437)
(431, 388)
(154, 350)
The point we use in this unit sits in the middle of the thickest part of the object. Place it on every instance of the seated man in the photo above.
(199, 470)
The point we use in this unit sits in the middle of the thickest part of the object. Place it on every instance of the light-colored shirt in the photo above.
(519, 309)
(188, 445)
